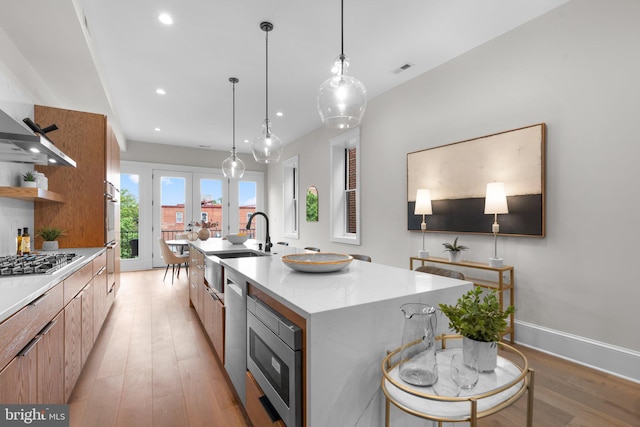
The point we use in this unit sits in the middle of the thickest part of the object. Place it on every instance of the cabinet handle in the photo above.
(27, 348)
(269, 409)
(102, 270)
(113, 288)
(48, 327)
(38, 300)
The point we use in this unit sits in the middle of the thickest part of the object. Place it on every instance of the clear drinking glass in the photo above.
(464, 374)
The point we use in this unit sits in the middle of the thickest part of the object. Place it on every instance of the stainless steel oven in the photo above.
(274, 358)
(110, 204)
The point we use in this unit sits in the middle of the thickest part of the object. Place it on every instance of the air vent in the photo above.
(403, 67)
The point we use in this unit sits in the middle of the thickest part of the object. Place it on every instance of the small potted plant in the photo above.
(455, 250)
(481, 323)
(29, 180)
(49, 235)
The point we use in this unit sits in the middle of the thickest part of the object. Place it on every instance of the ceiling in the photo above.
(110, 56)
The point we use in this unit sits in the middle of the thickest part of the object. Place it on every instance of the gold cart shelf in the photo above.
(501, 285)
(31, 194)
(494, 391)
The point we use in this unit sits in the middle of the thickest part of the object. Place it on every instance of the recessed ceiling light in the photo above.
(157, 129)
(52, 161)
(279, 114)
(161, 91)
(34, 150)
(165, 18)
(246, 140)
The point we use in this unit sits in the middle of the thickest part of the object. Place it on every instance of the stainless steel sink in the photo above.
(213, 269)
(238, 254)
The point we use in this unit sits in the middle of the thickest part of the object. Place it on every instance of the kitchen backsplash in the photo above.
(14, 213)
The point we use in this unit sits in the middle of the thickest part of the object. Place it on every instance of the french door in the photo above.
(181, 199)
(164, 199)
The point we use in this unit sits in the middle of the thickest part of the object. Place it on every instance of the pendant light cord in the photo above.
(234, 120)
(342, 57)
(266, 107)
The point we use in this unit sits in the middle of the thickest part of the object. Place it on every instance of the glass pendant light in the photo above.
(233, 166)
(342, 99)
(267, 148)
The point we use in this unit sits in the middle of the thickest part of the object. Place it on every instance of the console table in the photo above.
(504, 282)
(443, 402)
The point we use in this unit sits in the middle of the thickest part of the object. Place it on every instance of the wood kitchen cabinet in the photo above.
(44, 346)
(100, 292)
(89, 140)
(213, 320)
(18, 379)
(72, 344)
(50, 356)
(256, 407)
(81, 315)
(196, 280)
(34, 375)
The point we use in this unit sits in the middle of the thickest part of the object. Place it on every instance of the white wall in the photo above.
(576, 69)
(185, 156)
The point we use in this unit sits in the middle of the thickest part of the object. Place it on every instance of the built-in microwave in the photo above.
(274, 358)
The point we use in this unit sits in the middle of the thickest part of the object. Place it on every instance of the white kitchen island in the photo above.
(352, 318)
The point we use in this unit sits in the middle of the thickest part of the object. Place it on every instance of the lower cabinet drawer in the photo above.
(257, 404)
(20, 328)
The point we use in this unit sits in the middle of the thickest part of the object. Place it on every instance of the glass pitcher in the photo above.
(418, 355)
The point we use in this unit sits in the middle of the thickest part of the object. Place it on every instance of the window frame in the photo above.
(290, 197)
(338, 187)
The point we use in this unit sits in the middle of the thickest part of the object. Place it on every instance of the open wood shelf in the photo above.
(31, 193)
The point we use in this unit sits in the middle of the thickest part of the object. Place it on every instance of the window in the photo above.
(129, 215)
(290, 196)
(345, 194)
(179, 217)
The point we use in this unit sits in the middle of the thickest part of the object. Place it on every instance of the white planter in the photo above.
(455, 256)
(29, 184)
(50, 246)
(485, 353)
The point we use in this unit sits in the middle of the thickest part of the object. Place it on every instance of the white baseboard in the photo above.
(608, 358)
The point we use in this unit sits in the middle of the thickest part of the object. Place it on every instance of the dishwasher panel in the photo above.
(235, 350)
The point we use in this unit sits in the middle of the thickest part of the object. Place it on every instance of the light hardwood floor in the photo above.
(153, 366)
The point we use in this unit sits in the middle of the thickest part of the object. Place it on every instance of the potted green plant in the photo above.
(29, 179)
(455, 250)
(478, 318)
(49, 235)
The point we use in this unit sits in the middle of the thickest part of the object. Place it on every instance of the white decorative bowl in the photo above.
(317, 262)
(237, 239)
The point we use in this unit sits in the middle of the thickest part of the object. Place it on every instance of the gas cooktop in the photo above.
(37, 263)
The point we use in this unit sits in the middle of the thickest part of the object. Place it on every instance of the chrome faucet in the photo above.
(267, 242)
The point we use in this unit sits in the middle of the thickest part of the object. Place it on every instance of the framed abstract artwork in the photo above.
(457, 176)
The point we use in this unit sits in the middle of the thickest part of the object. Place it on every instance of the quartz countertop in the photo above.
(215, 244)
(18, 291)
(359, 283)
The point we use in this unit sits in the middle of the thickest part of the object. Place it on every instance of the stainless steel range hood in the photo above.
(18, 144)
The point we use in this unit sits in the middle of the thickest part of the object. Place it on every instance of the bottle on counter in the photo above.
(26, 241)
(19, 243)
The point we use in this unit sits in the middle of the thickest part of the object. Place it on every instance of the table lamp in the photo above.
(423, 207)
(495, 203)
